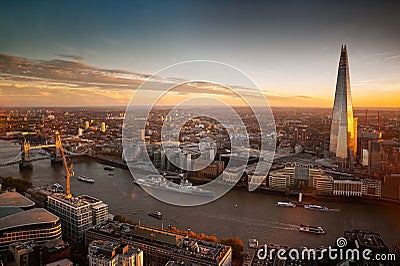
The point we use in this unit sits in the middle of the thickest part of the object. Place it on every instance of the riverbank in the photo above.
(293, 195)
(264, 190)
(107, 161)
(236, 214)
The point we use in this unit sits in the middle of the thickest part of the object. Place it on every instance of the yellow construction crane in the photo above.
(68, 170)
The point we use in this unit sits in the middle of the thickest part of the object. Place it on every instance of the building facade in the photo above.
(75, 215)
(212, 170)
(21, 252)
(99, 209)
(300, 176)
(110, 253)
(32, 253)
(160, 246)
(371, 188)
(384, 157)
(323, 184)
(36, 224)
(348, 188)
(282, 179)
(391, 187)
(343, 137)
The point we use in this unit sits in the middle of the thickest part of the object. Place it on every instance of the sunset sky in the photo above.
(96, 53)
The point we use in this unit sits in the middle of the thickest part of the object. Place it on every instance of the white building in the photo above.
(99, 209)
(110, 253)
(349, 188)
(281, 179)
(371, 188)
(323, 184)
(77, 214)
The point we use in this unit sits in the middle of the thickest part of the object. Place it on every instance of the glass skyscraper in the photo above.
(343, 138)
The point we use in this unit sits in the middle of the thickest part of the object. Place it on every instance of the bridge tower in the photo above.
(25, 156)
(57, 156)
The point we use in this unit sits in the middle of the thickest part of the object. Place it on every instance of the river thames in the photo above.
(237, 214)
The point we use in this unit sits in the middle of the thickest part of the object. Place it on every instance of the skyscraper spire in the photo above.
(343, 138)
(379, 123)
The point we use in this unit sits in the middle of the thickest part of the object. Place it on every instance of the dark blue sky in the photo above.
(288, 47)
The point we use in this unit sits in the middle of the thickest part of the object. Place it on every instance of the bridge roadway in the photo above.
(20, 161)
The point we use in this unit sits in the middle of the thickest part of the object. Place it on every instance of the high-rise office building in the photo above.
(99, 209)
(77, 214)
(384, 157)
(343, 138)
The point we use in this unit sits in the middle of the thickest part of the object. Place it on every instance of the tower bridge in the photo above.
(24, 157)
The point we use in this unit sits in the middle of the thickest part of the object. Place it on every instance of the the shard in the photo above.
(343, 138)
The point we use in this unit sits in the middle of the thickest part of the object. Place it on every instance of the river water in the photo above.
(237, 214)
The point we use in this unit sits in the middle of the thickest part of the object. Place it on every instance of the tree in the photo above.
(192, 234)
(235, 243)
(120, 218)
(204, 237)
(211, 239)
(20, 184)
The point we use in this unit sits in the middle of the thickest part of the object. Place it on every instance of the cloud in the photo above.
(66, 73)
(392, 57)
(382, 54)
(48, 80)
(71, 56)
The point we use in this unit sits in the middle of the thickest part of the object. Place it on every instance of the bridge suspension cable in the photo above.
(77, 154)
(14, 159)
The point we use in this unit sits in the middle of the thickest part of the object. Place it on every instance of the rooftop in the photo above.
(111, 248)
(174, 242)
(76, 202)
(175, 263)
(104, 245)
(8, 211)
(366, 239)
(28, 245)
(14, 199)
(54, 245)
(99, 206)
(33, 216)
(63, 262)
(89, 199)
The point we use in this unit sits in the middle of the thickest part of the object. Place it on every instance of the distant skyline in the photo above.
(290, 49)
